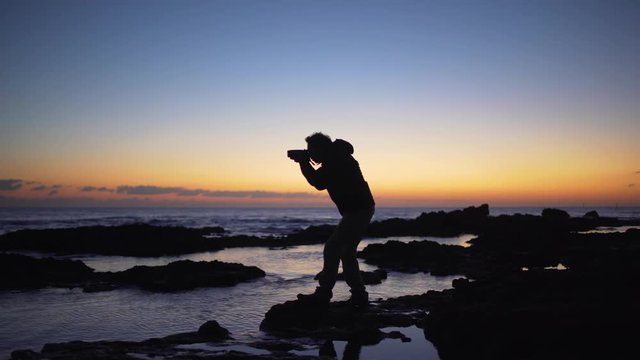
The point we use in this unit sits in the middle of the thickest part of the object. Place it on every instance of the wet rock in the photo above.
(368, 277)
(144, 240)
(98, 286)
(311, 235)
(212, 330)
(187, 274)
(497, 311)
(142, 350)
(147, 240)
(20, 272)
(327, 349)
(125, 240)
(165, 347)
(542, 314)
(581, 312)
(277, 345)
(500, 311)
(453, 223)
(25, 355)
(555, 214)
(398, 335)
(415, 256)
(591, 215)
(338, 321)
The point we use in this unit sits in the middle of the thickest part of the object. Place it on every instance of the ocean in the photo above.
(30, 319)
(247, 221)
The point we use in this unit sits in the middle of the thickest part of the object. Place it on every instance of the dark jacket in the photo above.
(340, 175)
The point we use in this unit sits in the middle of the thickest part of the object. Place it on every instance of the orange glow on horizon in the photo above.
(462, 194)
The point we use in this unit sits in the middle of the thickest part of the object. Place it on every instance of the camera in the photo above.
(298, 155)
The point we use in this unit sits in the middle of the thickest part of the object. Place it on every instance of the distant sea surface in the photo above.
(247, 221)
(31, 318)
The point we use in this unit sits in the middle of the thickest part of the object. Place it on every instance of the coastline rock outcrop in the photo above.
(166, 347)
(337, 321)
(186, 275)
(416, 256)
(368, 277)
(143, 240)
(535, 287)
(24, 272)
(441, 223)
(537, 314)
(532, 287)
(124, 240)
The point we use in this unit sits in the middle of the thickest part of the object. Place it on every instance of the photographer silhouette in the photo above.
(338, 173)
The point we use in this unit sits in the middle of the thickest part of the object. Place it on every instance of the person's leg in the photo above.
(333, 249)
(351, 270)
(358, 225)
(332, 252)
(342, 245)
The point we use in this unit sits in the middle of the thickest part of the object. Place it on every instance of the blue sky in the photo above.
(126, 90)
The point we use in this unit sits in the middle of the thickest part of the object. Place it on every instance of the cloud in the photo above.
(257, 194)
(53, 192)
(10, 184)
(147, 190)
(98, 189)
(631, 185)
(39, 188)
(638, 172)
(180, 191)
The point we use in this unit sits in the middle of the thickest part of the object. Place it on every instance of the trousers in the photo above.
(341, 247)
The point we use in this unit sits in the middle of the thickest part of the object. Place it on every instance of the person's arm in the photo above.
(313, 176)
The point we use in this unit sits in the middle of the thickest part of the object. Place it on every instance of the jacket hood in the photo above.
(342, 147)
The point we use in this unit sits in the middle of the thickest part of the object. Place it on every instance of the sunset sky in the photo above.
(447, 103)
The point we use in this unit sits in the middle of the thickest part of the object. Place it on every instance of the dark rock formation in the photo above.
(125, 240)
(187, 274)
(338, 321)
(510, 304)
(312, 235)
(441, 223)
(368, 277)
(557, 214)
(416, 256)
(591, 215)
(20, 272)
(143, 240)
(537, 314)
(212, 330)
(513, 304)
(148, 240)
(167, 348)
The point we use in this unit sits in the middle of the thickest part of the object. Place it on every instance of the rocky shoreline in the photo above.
(533, 287)
(24, 272)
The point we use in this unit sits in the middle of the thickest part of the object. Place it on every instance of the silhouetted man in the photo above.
(339, 173)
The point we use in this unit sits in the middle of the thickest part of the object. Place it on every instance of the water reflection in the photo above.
(289, 262)
(418, 348)
(609, 230)
(32, 318)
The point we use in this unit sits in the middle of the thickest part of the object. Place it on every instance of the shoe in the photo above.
(318, 298)
(359, 300)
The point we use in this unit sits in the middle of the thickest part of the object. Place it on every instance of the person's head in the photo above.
(318, 145)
